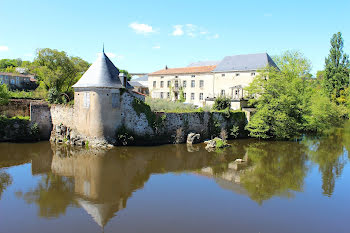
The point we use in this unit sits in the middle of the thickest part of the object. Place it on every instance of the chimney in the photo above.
(166, 67)
(123, 79)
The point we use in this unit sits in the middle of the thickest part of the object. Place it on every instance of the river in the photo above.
(253, 186)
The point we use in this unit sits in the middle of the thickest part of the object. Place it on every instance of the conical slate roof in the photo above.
(102, 73)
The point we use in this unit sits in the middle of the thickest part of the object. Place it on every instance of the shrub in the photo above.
(4, 94)
(222, 103)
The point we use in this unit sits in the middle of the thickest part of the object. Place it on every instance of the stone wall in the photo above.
(17, 107)
(41, 115)
(135, 126)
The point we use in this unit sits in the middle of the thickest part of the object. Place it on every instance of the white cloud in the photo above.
(3, 48)
(141, 28)
(192, 30)
(156, 47)
(178, 30)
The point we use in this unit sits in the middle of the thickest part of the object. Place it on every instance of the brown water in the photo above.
(276, 187)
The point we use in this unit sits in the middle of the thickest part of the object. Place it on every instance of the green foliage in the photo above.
(220, 143)
(164, 105)
(153, 119)
(128, 76)
(10, 63)
(58, 71)
(4, 94)
(234, 131)
(53, 95)
(336, 75)
(18, 129)
(182, 95)
(39, 93)
(287, 102)
(222, 103)
(124, 137)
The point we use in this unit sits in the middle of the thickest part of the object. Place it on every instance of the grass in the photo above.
(164, 105)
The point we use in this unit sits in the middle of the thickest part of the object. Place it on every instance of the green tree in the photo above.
(336, 76)
(4, 94)
(58, 71)
(126, 73)
(280, 98)
(222, 103)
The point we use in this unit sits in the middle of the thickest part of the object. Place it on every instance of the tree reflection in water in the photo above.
(53, 194)
(278, 168)
(5, 181)
(329, 154)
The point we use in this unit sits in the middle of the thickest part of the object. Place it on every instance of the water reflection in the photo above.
(102, 182)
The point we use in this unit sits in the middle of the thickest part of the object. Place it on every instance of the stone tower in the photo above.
(97, 101)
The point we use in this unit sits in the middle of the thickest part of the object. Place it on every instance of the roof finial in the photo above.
(103, 48)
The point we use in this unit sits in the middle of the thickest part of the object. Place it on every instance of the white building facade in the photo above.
(200, 85)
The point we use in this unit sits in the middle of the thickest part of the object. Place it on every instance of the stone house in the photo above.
(16, 81)
(202, 82)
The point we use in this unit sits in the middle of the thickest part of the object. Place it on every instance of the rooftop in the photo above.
(102, 73)
(245, 62)
(185, 70)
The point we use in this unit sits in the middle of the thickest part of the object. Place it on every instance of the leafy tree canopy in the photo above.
(336, 76)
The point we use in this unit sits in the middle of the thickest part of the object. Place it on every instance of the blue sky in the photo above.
(144, 36)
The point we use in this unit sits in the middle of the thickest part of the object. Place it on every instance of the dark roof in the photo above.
(17, 75)
(135, 84)
(203, 63)
(102, 73)
(142, 78)
(245, 62)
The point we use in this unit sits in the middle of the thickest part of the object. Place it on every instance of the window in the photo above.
(236, 94)
(86, 99)
(192, 96)
(12, 81)
(168, 84)
(161, 76)
(161, 95)
(176, 83)
(201, 83)
(168, 95)
(115, 100)
(252, 74)
(193, 76)
(6, 78)
(222, 93)
(200, 96)
(161, 83)
(154, 83)
(237, 74)
(193, 84)
(17, 80)
(222, 75)
(185, 96)
(184, 83)
(176, 76)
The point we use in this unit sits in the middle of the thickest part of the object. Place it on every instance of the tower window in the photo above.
(86, 99)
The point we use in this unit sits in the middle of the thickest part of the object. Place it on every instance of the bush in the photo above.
(222, 103)
(4, 94)
(163, 105)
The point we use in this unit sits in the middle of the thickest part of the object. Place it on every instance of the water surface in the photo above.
(254, 186)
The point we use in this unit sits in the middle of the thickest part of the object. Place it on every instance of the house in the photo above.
(140, 84)
(16, 81)
(201, 82)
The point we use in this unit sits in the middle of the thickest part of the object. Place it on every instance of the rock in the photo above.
(215, 143)
(193, 138)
